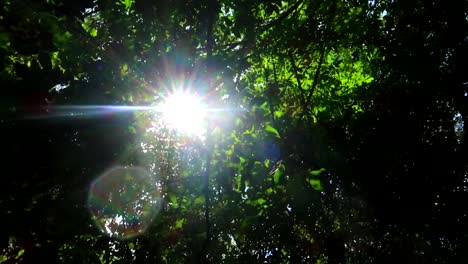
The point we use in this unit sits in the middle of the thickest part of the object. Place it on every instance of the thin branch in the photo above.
(231, 45)
(269, 95)
(247, 49)
(316, 77)
(299, 83)
(283, 16)
(211, 7)
(275, 76)
(206, 191)
(305, 103)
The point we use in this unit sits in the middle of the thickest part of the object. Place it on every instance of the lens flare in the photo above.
(124, 201)
(185, 113)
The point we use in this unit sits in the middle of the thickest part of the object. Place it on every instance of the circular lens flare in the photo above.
(123, 201)
(185, 113)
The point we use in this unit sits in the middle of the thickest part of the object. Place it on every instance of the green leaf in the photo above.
(200, 200)
(93, 32)
(279, 113)
(277, 176)
(266, 163)
(316, 184)
(124, 70)
(278, 173)
(132, 129)
(55, 61)
(316, 172)
(20, 253)
(242, 160)
(87, 26)
(61, 38)
(269, 191)
(173, 200)
(272, 130)
(261, 201)
(131, 245)
(180, 223)
(127, 3)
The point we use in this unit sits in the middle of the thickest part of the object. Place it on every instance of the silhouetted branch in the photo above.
(211, 11)
(316, 77)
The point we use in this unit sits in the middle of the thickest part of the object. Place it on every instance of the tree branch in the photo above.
(299, 86)
(316, 77)
(206, 191)
(269, 96)
(211, 12)
(282, 16)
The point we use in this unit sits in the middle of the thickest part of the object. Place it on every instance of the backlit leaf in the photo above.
(180, 223)
(272, 130)
(316, 184)
(261, 201)
(316, 172)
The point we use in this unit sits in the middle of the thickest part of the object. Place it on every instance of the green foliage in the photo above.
(89, 24)
(127, 4)
(374, 91)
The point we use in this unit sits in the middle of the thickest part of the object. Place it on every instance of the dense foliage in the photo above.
(340, 137)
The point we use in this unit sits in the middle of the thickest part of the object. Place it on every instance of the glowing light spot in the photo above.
(124, 201)
(185, 113)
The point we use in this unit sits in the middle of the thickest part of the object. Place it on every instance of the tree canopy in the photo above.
(333, 132)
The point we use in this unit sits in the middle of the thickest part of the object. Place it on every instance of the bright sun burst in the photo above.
(185, 113)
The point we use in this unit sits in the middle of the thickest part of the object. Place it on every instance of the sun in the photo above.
(185, 112)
